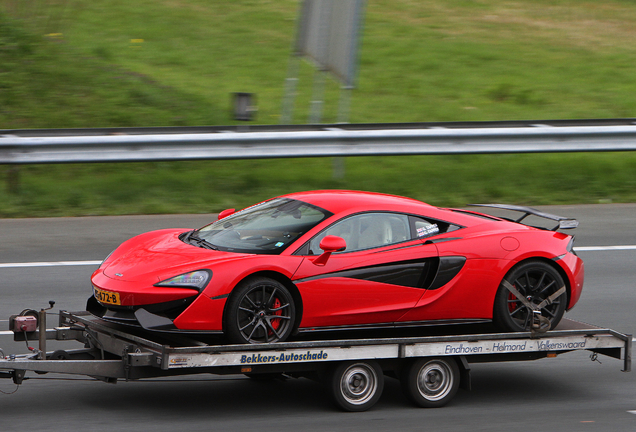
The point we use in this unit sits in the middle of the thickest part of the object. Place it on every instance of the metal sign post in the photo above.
(328, 36)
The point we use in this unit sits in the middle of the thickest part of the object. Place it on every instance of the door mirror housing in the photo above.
(329, 245)
(226, 213)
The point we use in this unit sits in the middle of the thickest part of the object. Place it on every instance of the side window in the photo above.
(366, 231)
(424, 228)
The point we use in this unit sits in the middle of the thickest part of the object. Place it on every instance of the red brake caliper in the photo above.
(276, 322)
(512, 306)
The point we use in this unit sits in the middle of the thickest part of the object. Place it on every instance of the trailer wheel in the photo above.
(431, 382)
(59, 355)
(357, 385)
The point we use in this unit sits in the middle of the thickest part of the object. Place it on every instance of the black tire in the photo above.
(536, 281)
(356, 385)
(430, 382)
(259, 310)
(59, 355)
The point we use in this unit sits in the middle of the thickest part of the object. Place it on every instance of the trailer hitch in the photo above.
(28, 322)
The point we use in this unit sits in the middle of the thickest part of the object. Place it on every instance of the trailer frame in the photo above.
(431, 367)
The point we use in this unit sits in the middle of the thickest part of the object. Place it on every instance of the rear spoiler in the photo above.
(564, 222)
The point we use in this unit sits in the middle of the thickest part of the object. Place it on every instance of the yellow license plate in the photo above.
(107, 297)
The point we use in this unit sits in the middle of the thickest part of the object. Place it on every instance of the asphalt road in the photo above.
(569, 393)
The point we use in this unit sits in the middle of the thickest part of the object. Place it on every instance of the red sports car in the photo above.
(341, 260)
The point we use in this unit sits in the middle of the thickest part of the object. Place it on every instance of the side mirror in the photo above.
(329, 245)
(226, 213)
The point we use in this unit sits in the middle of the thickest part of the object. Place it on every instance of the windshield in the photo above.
(266, 228)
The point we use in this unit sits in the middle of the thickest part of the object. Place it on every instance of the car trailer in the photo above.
(431, 368)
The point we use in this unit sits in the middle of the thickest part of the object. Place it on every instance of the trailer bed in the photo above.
(112, 352)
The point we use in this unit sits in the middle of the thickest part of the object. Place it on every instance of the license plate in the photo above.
(107, 297)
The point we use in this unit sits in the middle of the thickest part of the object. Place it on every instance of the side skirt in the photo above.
(397, 325)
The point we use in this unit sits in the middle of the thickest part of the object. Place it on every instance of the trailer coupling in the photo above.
(28, 322)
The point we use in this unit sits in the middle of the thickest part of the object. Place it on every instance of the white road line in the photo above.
(632, 412)
(604, 248)
(50, 264)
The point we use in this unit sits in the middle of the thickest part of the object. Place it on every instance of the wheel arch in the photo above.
(279, 277)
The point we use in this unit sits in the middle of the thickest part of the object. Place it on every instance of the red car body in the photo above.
(434, 265)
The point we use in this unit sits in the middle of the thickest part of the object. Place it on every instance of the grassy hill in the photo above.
(70, 63)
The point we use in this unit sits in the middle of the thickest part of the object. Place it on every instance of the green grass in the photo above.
(210, 186)
(66, 63)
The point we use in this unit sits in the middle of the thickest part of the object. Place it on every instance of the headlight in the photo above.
(196, 279)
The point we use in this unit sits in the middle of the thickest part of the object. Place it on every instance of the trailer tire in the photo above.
(59, 355)
(430, 382)
(356, 385)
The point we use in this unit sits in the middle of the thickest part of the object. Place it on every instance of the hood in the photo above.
(159, 255)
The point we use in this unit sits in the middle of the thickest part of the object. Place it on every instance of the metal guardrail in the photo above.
(254, 142)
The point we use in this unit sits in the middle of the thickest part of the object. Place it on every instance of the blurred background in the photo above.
(115, 63)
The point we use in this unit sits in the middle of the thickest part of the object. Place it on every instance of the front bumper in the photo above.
(158, 316)
(197, 314)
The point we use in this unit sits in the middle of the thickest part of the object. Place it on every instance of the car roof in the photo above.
(349, 201)
(337, 201)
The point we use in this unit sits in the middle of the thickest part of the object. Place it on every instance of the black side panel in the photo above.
(413, 274)
(403, 274)
(448, 269)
